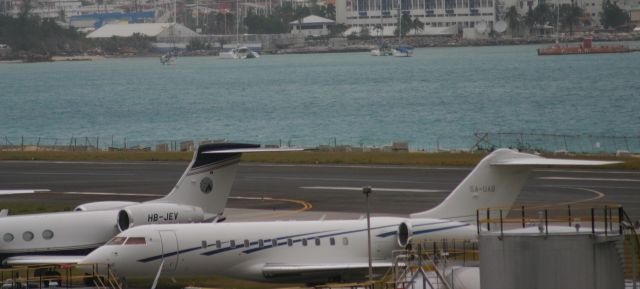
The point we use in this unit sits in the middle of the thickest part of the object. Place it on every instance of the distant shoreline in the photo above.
(364, 45)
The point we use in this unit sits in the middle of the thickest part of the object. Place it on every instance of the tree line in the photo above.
(569, 17)
(276, 22)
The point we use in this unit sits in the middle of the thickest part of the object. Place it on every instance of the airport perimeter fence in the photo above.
(114, 143)
(558, 143)
(482, 141)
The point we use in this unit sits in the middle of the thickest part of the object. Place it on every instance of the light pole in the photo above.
(367, 191)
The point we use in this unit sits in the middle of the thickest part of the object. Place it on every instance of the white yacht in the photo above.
(241, 52)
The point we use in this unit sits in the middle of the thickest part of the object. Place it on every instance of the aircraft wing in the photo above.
(549, 162)
(280, 269)
(41, 260)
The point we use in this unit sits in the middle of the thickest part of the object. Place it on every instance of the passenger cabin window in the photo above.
(332, 241)
(246, 243)
(260, 243)
(8, 237)
(136, 241)
(27, 236)
(345, 241)
(47, 234)
(304, 242)
(317, 241)
(290, 242)
(117, 241)
(274, 242)
(232, 243)
(218, 244)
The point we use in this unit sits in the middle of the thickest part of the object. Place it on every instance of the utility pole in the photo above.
(367, 191)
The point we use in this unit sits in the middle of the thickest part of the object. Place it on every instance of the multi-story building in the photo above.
(439, 16)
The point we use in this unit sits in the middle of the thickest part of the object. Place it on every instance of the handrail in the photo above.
(570, 216)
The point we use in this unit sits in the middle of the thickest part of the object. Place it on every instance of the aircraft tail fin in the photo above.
(495, 182)
(207, 181)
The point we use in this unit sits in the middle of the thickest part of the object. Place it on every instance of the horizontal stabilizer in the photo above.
(538, 161)
(252, 150)
(276, 269)
(41, 260)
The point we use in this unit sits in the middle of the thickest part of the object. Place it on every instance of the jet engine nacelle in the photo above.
(405, 232)
(158, 213)
(103, 206)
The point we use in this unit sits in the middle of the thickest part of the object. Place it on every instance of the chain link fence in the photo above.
(481, 141)
(558, 143)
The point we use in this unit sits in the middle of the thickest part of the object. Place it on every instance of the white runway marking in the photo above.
(375, 189)
(17, 192)
(78, 174)
(112, 194)
(589, 179)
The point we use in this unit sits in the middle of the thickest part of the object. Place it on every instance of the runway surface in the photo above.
(398, 190)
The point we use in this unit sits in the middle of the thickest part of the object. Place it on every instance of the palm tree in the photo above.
(570, 16)
(331, 11)
(539, 16)
(513, 20)
(417, 25)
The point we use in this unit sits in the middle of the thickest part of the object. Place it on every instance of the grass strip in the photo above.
(307, 157)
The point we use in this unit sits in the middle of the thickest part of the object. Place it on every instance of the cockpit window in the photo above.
(117, 241)
(136, 241)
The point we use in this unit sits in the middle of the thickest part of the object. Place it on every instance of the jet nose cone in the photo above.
(98, 256)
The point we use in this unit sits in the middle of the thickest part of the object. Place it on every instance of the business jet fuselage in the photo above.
(200, 195)
(288, 251)
(319, 251)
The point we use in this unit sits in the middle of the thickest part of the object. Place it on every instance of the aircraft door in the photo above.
(169, 250)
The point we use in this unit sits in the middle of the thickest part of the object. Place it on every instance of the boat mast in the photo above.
(558, 23)
(237, 23)
(399, 23)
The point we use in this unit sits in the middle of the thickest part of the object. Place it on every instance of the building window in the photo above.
(260, 243)
(332, 241)
(274, 242)
(304, 242)
(232, 243)
(317, 241)
(290, 242)
(218, 244)
(246, 243)
(345, 241)
(204, 244)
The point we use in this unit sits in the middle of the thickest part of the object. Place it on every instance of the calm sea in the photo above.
(441, 95)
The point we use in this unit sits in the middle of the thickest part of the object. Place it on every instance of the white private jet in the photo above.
(317, 251)
(199, 196)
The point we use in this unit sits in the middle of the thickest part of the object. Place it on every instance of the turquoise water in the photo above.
(440, 95)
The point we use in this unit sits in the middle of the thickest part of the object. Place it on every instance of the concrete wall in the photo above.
(557, 261)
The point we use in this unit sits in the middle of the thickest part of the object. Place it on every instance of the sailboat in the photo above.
(239, 52)
(383, 48)
(401, 50)
(170, 57)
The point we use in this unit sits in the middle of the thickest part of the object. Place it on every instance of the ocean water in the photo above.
(439, 96)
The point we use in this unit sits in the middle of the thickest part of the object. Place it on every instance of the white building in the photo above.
(169, 32)
(439, 16)
(311, 26)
